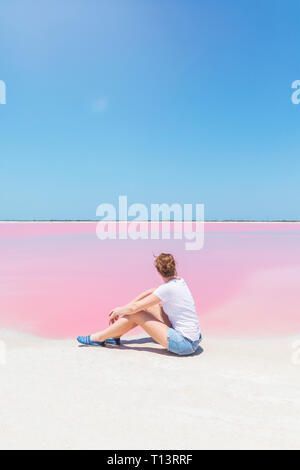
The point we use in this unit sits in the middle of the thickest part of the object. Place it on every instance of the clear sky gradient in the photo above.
(160, 100)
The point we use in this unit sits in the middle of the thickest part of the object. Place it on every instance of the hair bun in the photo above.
(166, 265)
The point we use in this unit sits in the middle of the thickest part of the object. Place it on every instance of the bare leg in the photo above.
(117, 329)
(157, 329)
(158, 312)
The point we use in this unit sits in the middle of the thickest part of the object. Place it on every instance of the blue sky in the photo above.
(160, 100)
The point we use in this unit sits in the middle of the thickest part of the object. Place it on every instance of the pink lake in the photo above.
(59, 280)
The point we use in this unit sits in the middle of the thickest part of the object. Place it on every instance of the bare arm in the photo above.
(135, 306)
(143, 295)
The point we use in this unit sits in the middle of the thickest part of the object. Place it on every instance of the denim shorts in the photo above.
(179, 344)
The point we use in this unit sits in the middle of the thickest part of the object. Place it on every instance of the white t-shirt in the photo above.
(179, 305)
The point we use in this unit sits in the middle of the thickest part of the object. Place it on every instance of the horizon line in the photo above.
(156, 221)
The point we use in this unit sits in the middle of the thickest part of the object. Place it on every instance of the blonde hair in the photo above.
(166, 265)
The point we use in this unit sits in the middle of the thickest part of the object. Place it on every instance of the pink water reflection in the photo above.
(59, 280)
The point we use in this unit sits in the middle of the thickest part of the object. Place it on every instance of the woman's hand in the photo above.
(114, 314)
(112, 321)
(118, 311)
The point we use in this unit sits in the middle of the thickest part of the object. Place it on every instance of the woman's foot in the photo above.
(86, 340)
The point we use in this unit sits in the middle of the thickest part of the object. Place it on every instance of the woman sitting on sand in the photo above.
(167, 313)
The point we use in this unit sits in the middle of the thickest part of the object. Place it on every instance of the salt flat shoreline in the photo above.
(233, 394)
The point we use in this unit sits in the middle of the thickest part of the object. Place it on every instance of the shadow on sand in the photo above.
(126, 345)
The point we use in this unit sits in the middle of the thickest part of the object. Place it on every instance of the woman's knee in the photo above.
(130, 318)
(140, 317)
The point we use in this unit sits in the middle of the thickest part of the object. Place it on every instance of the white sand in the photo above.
(236, 394)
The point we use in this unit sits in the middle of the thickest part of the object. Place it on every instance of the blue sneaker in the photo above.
(86, 340)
